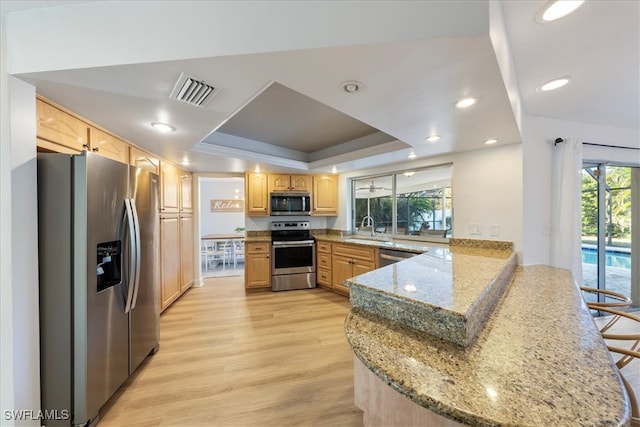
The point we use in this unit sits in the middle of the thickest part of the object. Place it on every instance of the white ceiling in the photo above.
(415, 60)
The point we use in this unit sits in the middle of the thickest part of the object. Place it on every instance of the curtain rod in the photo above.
(610, 146)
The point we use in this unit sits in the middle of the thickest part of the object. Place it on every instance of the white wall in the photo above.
(487, 190)
(7, 398)
(219, 188)
(24, 246)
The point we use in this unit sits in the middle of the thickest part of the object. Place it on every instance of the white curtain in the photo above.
(566, 208)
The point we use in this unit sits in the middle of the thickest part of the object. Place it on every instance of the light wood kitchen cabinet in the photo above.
(257, 197)
(144, 160)
(58, 130)
(108, 145)
(257, 265)
(282, 182)
(325, 195)
(348, 261)
(187, 269)
(323, 264)
(186, 191)
(169, 260)
(169, 188)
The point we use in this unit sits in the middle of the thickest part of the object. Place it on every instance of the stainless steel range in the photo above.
(293, 256)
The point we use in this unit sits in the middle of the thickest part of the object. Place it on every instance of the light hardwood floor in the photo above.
(228, 358)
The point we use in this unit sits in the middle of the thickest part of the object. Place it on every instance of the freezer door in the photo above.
(145, 314)
(101, 346)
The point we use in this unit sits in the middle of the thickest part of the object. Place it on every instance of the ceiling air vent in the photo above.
(193, 91)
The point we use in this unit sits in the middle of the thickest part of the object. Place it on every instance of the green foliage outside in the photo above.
(414, 210)
(618, 208)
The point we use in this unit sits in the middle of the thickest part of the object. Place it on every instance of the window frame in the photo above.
(447, 196)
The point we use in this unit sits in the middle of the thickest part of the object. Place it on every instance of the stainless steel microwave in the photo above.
(290, 204)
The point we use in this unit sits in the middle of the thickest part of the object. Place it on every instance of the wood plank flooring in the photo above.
(228, 358)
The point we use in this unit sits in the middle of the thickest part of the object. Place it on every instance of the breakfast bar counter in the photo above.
(538, 360)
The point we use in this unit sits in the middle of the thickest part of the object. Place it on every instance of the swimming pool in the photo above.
(613, 258)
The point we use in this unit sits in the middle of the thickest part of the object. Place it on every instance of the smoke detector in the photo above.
(194, 91)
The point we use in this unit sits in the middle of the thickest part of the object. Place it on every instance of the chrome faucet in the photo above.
(369, 223)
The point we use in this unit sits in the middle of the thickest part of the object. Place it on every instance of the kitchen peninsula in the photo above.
(537, 359)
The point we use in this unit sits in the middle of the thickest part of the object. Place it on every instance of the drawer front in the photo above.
(324, 247)
(258, 248)
(354, 252)
(324, 261)
(323, 277)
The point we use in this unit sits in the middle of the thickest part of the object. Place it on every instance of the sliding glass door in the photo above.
(609, 216)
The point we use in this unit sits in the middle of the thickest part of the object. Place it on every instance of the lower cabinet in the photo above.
(187, 269)
(177, 271)
(257, 265)
(169, 260)
(339, 262)
(323, 264)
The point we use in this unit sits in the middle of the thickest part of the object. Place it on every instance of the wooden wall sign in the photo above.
(227, 205)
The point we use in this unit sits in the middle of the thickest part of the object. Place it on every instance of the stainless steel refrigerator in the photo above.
(99, 282)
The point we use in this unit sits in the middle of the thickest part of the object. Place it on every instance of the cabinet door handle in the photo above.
(85, 146)
(95, 149)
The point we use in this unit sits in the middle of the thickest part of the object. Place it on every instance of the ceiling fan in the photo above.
(372, 188)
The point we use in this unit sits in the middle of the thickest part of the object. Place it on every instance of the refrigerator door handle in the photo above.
(136, 280)
(132, 256)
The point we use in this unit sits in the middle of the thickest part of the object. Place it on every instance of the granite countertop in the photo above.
(448, 292)
(417, 247)
(257, 239)
(540, 360)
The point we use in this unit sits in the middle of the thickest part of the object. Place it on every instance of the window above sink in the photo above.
(412, 204)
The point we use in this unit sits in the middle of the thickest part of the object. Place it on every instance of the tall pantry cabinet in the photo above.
(176, 233)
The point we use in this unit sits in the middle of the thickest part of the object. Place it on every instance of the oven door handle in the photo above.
(299, 244)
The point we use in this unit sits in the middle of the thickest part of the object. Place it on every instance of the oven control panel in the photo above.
(289, 225)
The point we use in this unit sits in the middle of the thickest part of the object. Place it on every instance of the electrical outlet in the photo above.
(475, 229)
(495, 230)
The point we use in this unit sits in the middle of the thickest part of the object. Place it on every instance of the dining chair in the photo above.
(238, 252)
(624, 340)
(213, 252)
(611, 300)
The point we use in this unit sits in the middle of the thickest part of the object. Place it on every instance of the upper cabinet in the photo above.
(108, 145)
(60, 131)
(323, 189)
(325, 195)
(257, 196)
(144, 160)
(186, 199)
(289, 183)
(170, 184)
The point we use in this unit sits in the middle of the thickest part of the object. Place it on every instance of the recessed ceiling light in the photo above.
(554, 84)
(491, 141)
(334, 170)
(433, 138)
(162, 127)
(412, 155)
(557, 9)
(466, 102)
(352, 86)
